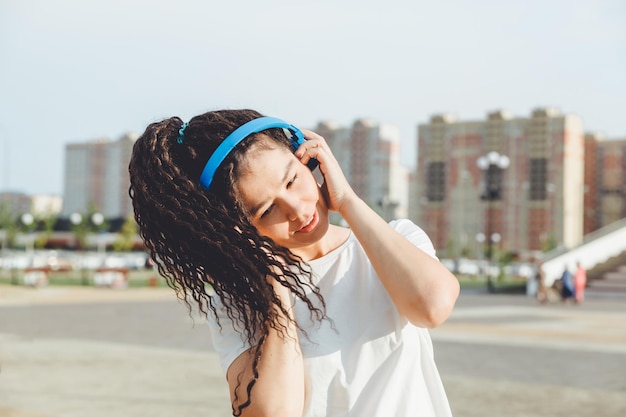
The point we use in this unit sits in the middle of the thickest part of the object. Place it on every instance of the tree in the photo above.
(80, 228)
(84, 224)
(8, 227)
(126, 238)
(549, 243)
(46, 225)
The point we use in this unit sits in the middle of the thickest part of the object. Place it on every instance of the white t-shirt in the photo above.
(373, 363)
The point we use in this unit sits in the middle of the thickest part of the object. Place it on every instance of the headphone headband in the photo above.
(239, 134)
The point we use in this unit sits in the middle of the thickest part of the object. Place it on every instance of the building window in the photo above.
(436, 181)
(538, 178)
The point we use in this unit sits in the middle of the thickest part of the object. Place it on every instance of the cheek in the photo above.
(269, 229)
(310, 186)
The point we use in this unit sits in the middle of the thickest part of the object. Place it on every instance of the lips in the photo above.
(310, 224)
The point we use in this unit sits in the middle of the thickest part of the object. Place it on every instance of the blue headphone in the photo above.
(242, 132)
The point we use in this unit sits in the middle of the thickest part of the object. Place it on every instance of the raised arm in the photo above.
(422, 288)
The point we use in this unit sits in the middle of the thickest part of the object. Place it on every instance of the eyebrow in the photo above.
(255, 209)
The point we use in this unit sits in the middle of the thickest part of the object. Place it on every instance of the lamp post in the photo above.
(493, 165)
(97, 219)
(79, 234)
(28, 220)
(77, 221)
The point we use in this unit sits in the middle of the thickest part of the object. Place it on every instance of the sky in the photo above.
(73, 71)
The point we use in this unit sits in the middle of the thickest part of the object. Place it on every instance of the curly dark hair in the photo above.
(202, 240)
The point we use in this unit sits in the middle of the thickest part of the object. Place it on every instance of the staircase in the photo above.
(602, 253)
(610, 283)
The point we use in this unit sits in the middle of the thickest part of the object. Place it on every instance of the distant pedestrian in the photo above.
(567, 285)
(542, 293)
(580, 282)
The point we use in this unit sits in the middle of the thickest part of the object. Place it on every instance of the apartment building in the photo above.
(605, 181)
(96, 177)
(44, 205)
(532, 201)
(15, 203)
(369, 155)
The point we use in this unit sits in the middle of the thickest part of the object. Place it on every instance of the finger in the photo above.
(307, 154)
(306, 147)
(311, 135)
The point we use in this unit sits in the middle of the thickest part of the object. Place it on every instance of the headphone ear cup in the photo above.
(295, 143)
(297, 139)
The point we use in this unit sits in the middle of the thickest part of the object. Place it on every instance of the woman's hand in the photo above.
(336, 188)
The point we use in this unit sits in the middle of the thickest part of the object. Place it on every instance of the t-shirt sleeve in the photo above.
(228, 341)
(415, 235)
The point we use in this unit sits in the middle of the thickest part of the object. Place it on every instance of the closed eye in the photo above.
(271, 207)
(290, 183)
(268, 211)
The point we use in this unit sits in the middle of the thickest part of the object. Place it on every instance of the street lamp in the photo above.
(79, 234)
(76, 218)
(98, 220)
(493, 165)
(28, 220)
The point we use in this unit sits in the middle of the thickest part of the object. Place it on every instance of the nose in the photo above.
(294, 209)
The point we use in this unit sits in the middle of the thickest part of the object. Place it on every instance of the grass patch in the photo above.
(502, 284)
(136, 278)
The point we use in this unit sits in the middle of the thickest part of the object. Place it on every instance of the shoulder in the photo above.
(414, 234)
(404, 225)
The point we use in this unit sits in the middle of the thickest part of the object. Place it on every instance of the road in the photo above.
(69, 352)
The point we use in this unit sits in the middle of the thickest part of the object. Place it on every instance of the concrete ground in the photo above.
(69, 352)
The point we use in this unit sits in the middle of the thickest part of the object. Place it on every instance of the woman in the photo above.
(309, 319)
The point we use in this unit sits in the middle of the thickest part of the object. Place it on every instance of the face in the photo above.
(283, 199)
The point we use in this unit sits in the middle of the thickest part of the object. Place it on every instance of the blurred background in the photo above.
(496, 126)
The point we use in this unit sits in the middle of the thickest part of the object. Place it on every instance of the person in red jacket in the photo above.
(580, 282)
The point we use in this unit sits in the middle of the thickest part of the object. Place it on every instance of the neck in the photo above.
(334, 237)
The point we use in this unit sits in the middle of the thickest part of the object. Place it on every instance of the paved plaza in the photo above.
(82, 352)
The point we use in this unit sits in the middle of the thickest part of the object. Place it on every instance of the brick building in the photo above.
(539, 194)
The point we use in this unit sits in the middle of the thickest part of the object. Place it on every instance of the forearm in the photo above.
(279, 387)
(423, 290)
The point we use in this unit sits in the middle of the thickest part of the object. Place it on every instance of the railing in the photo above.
(597, 247)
